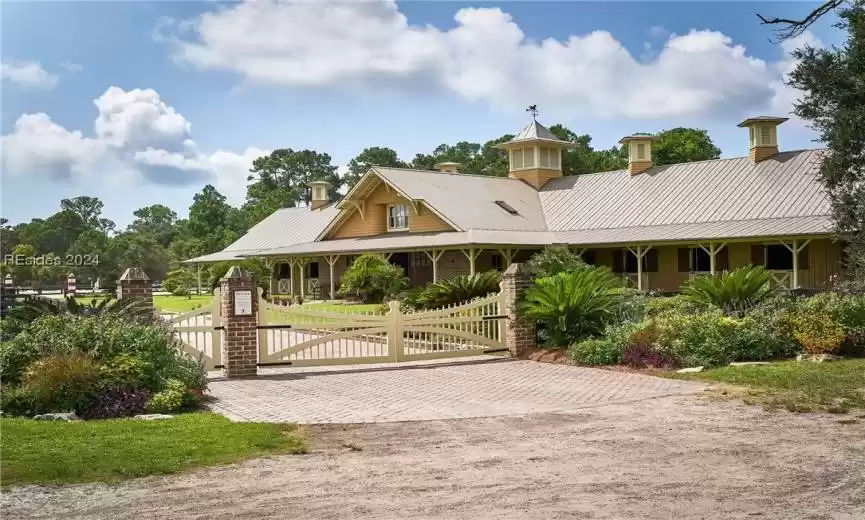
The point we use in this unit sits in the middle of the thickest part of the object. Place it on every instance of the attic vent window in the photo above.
(507, 207)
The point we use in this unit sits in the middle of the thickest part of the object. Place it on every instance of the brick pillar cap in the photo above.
(236, 272)
(521, 270)
(134, 274)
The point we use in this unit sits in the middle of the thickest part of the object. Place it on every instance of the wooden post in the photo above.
(472, 254)
(198, 281)
(302, 267)
(395, 331)
(331, 261)
(795, 248)
(434, 257)
(640, 253)
(508, 255)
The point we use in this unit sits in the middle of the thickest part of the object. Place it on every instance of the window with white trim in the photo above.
(397, 217)
(516, 159)
(641, 151)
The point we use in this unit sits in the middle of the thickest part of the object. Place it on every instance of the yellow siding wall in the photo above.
(824, 261)
(375, 221)
(426, 221)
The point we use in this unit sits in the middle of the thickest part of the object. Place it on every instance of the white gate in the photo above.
(299, 336)
(199, 333)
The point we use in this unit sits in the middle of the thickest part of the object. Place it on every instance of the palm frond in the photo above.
(735, 292)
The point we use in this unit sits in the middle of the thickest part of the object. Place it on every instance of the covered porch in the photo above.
(318, 276)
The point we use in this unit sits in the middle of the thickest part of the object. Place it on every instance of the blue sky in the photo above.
(140, 103)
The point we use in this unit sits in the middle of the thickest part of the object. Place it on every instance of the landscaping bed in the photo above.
(41, 452)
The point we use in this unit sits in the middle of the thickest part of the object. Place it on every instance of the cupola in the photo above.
(762, 136)
(535, 154)
(639, 152)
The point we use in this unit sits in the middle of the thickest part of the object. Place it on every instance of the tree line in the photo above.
(79, 238)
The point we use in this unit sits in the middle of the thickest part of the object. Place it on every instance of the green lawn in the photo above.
(38, 452)
(837, 386)
(169, 303)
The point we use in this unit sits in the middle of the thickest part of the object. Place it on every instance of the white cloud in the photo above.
(72, 67)
(135, 133)
(27, 74)
(138, 118)
(486, 57)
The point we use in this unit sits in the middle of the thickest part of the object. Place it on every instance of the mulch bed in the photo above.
(559, 356)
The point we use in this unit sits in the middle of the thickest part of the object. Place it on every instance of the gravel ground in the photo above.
(665, 458)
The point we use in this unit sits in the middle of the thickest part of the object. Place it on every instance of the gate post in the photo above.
(395, 332)
(134, 283)
(238, 310)
(520, 332)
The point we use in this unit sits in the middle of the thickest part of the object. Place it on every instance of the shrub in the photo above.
(595, 352)
(735, 292)
(125, 371)
(660, 305)
(371, 278)
(459, 289)
(18, 401)
(102, 338)
(118, 402)
(706, 338)
(554, 260)
(772, 320)
(178, 278)
(173, 398)
(62, 382)
(180, 290)
(817, 333)
(573, 306)
(641, 349)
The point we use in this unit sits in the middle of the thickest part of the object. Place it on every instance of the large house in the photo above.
(657, 226)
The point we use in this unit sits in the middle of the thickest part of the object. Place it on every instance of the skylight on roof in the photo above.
(507, 207)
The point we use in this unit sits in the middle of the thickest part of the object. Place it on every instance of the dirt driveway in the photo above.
(670, 457)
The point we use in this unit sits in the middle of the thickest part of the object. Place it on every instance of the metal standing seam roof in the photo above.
(717, 199)
(725, 190)
(284, 227)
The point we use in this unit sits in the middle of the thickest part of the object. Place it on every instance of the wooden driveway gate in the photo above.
(298, 336)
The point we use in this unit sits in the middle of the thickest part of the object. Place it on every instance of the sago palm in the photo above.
(459, 289)
(735, 292)
(573, 305)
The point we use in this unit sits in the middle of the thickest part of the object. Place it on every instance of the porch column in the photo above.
(269, 264)
(198, 281)
(508, 256)
(434, 257)
(291, 278)
(640, 253)
(331, 261)
(302, 265)
(796, 248)
(472, 254)
(712, 251)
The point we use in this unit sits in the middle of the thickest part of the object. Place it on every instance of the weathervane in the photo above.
(533, 110)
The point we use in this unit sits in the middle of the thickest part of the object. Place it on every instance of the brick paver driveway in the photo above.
(480, 387)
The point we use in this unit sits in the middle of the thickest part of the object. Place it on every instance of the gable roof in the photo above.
(785, 186)
(469, 201)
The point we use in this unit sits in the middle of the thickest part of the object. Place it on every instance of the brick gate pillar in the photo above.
(520, 333)
(134, 283)
(238, 308)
